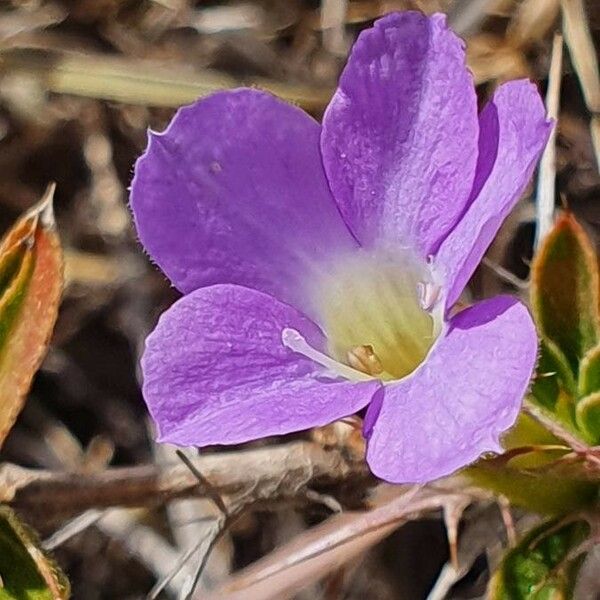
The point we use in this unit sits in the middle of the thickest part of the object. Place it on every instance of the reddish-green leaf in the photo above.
(26, 572)
(564, 290)
(30, 287)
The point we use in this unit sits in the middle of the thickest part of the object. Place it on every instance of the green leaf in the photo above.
(527, 431)
(587, 415)
(530, 475)
(30, 287)
(589, 373)
(553, 374)
(564, 290)
(542, 566)
(542, 492)
(26, 572)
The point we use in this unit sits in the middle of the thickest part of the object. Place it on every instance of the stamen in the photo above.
(363, 358)
(293, 340)
(429, 294)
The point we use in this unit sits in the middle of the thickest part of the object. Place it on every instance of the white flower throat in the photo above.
(380, 312)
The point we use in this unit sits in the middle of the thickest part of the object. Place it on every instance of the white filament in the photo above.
(293, 340)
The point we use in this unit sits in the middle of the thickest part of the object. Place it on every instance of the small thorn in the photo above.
(46, 207)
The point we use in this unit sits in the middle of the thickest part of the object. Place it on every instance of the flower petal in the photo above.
(234, 192)
(399, 138)
(454, 407)
(216, 371)
(514, 131)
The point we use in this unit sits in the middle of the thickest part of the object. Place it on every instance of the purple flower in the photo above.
(320, 263)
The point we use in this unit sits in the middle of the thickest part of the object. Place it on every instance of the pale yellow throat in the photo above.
(380, 311)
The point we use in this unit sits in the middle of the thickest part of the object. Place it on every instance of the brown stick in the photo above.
(282, 470)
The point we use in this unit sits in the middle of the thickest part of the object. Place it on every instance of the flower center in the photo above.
(381, 313)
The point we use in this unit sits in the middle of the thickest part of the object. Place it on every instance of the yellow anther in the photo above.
(363, 358)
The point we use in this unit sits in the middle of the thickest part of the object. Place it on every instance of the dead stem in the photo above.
(289, 467)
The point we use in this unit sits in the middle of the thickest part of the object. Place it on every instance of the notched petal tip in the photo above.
(400, 135)
(395, 18)
(523, 95)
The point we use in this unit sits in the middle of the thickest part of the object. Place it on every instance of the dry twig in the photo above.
(287, 468)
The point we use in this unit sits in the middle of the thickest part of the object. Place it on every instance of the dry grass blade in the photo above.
(504, 274)
(143, 542)
(327, 547)
(583, 56)
(161, 584)
(547, 172)
(72, 528)
(142, 82)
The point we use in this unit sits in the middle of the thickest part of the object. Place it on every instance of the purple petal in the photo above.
(455, 406)
(234, 192)
(400, 135)
(514, 131)
(216, 371)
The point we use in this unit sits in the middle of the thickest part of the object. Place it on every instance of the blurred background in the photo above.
(80, 82)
